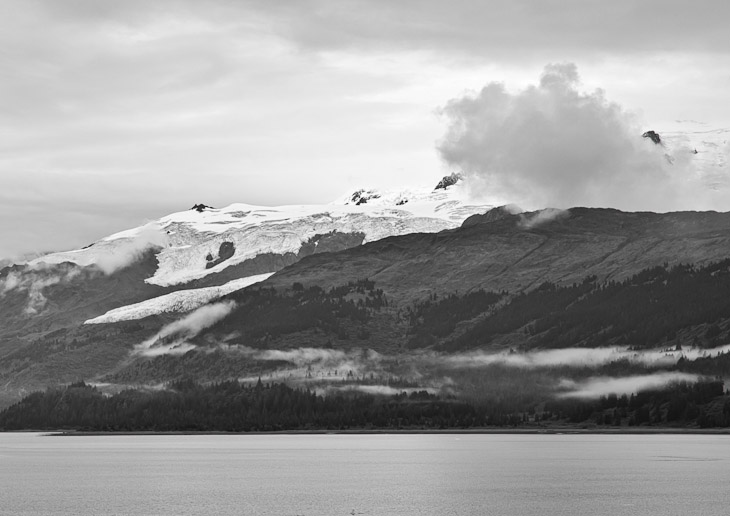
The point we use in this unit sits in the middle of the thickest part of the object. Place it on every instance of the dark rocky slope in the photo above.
(519, 252)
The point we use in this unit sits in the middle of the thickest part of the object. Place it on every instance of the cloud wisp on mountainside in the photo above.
(150, 236)
(104, 258)
(33, 281)
(172, 339)
(552, 145)
(597, 386)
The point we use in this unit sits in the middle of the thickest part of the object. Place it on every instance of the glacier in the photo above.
(185, 241)
(179, 301)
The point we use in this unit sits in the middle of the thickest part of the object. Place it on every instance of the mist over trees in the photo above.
(659, 308)
(236, 407)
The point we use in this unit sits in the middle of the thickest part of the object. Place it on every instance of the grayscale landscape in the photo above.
(364, 257)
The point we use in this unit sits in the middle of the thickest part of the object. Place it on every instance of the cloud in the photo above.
(552, 145)
(380, 390)
(33, 280)
(42, 271)
(570, 357)
(110, 254)
(541, 217)
(499, 29)
(111, 110)
(604, 385)
(198, 320)
(172, 338)
(128, 251)
(302, 356)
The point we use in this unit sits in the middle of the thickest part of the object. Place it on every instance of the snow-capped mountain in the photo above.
(151, 296)
(203, 241)
(706, 148)
(203, 253)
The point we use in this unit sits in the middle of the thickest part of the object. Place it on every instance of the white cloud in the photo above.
(33, 280)
(118, 112)
(603, 385)
(172, 338)
(552, 145)
(148, 237)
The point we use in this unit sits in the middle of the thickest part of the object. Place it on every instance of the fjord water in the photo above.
(322, 475)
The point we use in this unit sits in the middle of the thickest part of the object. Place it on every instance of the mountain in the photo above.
(518, 252)
(707, 148)
(183, 261)
(381, 292)
(211, 245)
(186, 259)
(532, 291)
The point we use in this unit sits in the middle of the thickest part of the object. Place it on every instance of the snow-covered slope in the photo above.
(704, 148)
(198, 242)
(179, 301)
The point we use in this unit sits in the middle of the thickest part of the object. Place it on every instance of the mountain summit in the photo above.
(204, 243)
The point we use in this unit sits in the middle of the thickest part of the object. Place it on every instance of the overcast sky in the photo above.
(118, 112)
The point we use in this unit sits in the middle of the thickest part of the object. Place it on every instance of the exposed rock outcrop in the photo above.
(448, 181)
(362, 196)
(499, 213)
(225, 251)
(330, 242)
(653, 136)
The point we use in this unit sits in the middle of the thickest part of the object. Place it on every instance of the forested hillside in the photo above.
(684, 305)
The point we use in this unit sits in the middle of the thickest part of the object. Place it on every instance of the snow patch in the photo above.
(179, 301)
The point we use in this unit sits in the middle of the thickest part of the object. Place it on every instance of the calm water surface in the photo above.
(321, 475)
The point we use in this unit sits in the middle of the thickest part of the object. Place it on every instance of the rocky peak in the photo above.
(200, 207)
(362, 196)
(447, 181)
(653, 136)
(493, 215)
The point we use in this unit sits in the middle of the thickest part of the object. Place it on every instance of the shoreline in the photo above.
(465, 431)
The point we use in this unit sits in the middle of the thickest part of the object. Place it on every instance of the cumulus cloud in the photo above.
(604, 385)
(553, 145)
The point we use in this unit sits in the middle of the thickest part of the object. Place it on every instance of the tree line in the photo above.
(232, 406)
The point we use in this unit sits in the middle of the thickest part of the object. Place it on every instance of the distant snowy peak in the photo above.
(449, 188)
(705, 147)
(201, 241)
(197, 239)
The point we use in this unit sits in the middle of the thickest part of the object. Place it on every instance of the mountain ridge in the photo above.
(589, 241)
(342, 286)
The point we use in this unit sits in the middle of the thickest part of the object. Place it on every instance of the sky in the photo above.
(116, 113)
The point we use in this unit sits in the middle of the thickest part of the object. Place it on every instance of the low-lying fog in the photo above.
(574, 372)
